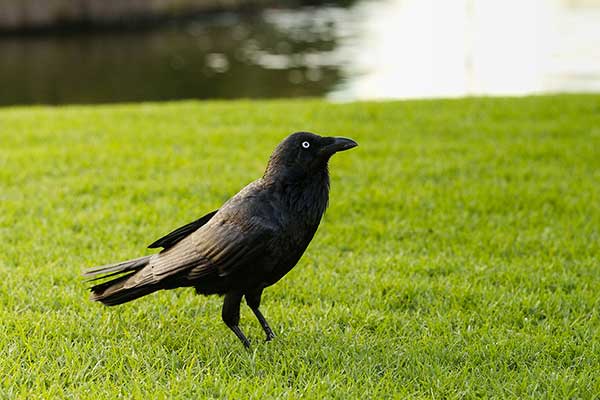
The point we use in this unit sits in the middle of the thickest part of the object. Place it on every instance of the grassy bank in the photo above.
(459, 256)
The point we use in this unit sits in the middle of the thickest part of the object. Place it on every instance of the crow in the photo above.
(248, 244)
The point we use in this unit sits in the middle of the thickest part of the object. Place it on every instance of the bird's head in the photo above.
(303, 154)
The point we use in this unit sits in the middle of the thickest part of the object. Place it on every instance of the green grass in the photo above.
(459, 256)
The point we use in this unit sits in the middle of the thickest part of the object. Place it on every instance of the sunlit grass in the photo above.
(459, 256)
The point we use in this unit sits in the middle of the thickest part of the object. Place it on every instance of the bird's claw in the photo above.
(270, 336)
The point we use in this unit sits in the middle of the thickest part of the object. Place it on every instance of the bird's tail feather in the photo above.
(117, 268)
(119, 290)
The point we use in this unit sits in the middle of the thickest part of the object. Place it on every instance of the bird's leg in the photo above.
(264, 324)
(253, 301)
(231, 315)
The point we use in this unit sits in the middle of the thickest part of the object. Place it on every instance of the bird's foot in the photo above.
(270, 335)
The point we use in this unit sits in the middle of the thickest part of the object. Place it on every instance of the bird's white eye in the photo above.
(306, 145)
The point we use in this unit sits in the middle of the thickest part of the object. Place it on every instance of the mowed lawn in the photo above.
(459, 257)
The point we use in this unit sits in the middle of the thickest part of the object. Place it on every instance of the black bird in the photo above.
(248, 244)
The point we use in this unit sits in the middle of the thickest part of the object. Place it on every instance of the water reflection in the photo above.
(225, 57)
(372, 49)
(429, 48)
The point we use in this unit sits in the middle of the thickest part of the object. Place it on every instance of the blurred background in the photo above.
(99, 51)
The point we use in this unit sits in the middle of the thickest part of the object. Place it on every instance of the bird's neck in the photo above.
(307, 197)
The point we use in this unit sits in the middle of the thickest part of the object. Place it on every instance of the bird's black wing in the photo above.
(231, 244)
(219, 249)
(237, 236)
(175, 237)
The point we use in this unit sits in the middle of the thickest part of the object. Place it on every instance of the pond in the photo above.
(368, 50)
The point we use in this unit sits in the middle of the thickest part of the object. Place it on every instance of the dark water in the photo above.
(369, 49)
(278, 53)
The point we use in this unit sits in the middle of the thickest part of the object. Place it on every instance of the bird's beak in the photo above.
(338, 144)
